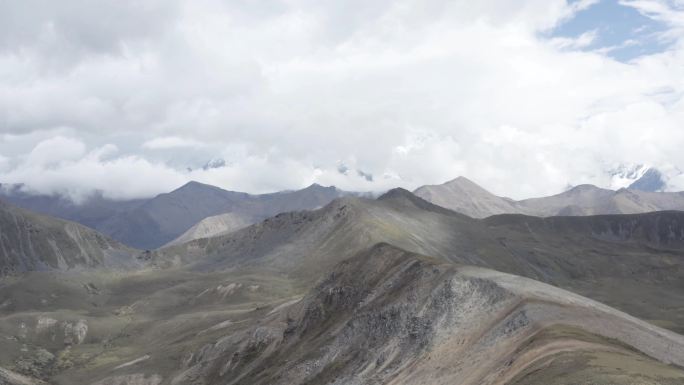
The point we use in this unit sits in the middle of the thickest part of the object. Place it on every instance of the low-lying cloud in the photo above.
(137, 101)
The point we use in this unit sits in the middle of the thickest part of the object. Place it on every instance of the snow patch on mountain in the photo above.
(625, 175)
(646, 177)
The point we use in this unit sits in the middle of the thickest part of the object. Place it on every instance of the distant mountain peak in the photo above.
(585, 187)
(460, 180)
(194, 185)
(404, 196)
(395, 193)
(459, 183)
(464, 183)
(643, 177)
(652, 180)
(313, 188)
(465, 196)
(399, 194)
(316, 186)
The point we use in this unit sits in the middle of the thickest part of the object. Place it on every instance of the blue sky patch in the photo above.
(622, 32)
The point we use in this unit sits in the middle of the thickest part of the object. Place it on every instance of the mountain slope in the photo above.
(652, 180)
(213, 226)
(30, 241)
(387, 316)
(164, 217)
(641, 254)
(395, 290)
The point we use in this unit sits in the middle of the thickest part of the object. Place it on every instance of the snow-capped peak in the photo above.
(646, 177)
(625, 175)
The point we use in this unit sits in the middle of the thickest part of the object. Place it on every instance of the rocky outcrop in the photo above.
(68, 332)
(75, 332)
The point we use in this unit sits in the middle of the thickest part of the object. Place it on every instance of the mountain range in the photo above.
(390, 290)
(464, 196)
(199, 210)
(151, 223)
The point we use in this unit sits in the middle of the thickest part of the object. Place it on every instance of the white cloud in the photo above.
(54, 151)
(582, 41)
(72, 172)
(171, 142)
(670, 12)
(410, 91)
(4, 163)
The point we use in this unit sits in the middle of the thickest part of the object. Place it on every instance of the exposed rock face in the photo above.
(391, 317)
(45, 324)
(66, 332)
(75, 333)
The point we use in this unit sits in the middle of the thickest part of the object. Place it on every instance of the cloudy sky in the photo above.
(525, 97)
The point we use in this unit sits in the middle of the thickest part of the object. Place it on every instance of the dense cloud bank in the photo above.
(135, 98)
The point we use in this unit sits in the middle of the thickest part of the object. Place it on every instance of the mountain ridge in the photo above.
(390, 316)
(366, 291)
(577, 253)
(466, 197)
